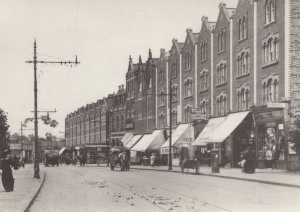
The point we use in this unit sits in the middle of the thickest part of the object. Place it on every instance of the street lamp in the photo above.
(107, 143)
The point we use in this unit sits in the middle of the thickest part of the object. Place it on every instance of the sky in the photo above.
(103, 33)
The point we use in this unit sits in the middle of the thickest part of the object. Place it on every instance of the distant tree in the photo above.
(294, 134)
(4, 134)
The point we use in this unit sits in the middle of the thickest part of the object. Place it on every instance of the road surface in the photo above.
(69, 188)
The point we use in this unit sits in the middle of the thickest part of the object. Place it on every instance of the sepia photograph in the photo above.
(150, 105)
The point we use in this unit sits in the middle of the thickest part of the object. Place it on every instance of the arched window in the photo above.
(268, 12)
(276, 49)
(247, 99)
(243, 98)
(247, 62)
(223, 41)
(245, 27)
(275, 89)
(273, 10)
(269, 90)
(219, 41)
(240, 29)
(150, 82)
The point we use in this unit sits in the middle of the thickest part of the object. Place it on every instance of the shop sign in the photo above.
(129, 125)
(15, 146)
(196, 114)
(77, 148)
(185, 141)
(275, 105)
(166, 150)
(291, 149)
(269, 115)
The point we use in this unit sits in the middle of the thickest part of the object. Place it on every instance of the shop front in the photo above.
(271, 146)
(182, 136)
(95, 153)
(149, 144)
(229, 135)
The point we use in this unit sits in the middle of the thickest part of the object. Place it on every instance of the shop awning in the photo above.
(62, 150)
(150, 142)
(126, 137)
(232, 121)
(178, 133)
(133, 141)
(208, 132)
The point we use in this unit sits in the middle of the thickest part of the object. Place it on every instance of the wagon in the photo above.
(188, 160)
(119, 157)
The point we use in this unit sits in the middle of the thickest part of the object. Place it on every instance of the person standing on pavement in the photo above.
(7, 176)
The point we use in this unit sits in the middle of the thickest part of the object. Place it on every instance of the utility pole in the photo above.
(170, 138)
(35, 62)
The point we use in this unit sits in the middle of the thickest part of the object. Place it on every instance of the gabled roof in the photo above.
(229, 12)
(178, 46)
(209, 25)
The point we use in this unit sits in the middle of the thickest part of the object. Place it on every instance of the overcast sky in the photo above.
(103, 33)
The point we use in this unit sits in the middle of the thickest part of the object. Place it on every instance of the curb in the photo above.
(227, 177)
(28, 200)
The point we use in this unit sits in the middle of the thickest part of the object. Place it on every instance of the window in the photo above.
(271, 49)
(188, 84)
(161, 76)
(204, 80)
(243, 63)
(187, 61)
(187, 114)
(221, 73)
(140, 87)
(174, 118)
(174, 68)
(203, 51)
(221, 40)
(150, 83)
(162, 98)
(270, 89)
(221, 105)
(270, 11)
(243, 28)
(174, 93)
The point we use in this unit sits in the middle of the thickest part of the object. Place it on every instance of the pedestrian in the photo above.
(152, 159)
(275, 157)
(7, 176)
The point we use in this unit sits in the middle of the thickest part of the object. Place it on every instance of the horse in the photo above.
(189, 164)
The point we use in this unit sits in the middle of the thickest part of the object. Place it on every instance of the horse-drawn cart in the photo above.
(119, 156)
(188, 159)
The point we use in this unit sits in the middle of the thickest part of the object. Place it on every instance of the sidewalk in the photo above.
(26, 188)
(268, 176)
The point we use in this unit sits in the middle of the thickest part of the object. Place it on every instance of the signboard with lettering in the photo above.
(197, 114)
(15, 146)
(269, 115)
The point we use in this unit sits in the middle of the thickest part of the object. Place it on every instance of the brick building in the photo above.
(118, 116)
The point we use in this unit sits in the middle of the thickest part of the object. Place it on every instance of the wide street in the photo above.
(75, 188)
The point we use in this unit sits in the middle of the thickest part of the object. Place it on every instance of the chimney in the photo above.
(140, 59)
(189, 30)
(150, 54)
(222, 5)
(204, 18)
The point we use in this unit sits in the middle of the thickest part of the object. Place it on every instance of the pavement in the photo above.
(267, 176)
(25, 190)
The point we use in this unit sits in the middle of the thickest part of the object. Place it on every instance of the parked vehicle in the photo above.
(119, 157)
(51, 157)
(188, 160)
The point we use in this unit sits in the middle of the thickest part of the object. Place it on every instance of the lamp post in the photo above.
(107, 143)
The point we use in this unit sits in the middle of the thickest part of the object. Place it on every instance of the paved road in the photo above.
(69, 188)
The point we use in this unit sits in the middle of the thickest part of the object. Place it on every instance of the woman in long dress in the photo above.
(7, 176)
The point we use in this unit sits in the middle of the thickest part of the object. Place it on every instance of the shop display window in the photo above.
(271, 144)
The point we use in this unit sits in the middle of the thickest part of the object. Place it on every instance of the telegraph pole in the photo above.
(170, 138)
(35, 90)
